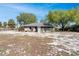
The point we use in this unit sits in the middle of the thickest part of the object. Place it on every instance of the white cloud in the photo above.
(14, 6)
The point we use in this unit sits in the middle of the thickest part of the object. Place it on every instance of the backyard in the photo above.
(39, 44)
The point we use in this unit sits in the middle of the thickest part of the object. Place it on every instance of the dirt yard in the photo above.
(39, 44)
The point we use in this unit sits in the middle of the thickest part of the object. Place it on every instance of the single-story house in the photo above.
(37, 27)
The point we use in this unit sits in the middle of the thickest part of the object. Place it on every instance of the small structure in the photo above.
(37, 27)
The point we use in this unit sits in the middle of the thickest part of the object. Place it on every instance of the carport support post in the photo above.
(39, 29)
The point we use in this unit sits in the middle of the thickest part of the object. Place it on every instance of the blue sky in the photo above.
(8, 11)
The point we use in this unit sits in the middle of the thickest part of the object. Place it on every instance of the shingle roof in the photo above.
(37, 24)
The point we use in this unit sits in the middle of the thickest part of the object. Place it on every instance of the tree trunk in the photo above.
(62, 26)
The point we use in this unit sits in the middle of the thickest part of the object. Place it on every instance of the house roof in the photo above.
(37, 25)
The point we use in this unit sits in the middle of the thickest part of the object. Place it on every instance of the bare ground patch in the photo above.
(23, 45)
(56, 44)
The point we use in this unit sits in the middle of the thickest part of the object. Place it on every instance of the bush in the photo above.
(74, 28)
(20, 29)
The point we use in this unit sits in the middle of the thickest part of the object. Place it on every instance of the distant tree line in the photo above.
(10, 24)
(22, 19)
(65, 19)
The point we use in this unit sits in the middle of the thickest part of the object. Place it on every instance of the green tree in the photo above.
(11, 23)
(59, 17)
(26, 18)
(4, 24)
(0, 24)
(76, 19)
(76, 16)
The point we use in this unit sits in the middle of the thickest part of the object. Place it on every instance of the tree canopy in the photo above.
(26, 18)
(4, 24)
(62, 17)
(0, 24)
(11, 23)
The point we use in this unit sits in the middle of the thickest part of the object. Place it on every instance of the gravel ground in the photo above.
(39, 44)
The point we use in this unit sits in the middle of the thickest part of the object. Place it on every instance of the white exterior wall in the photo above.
(27, 29)
(38, 29)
